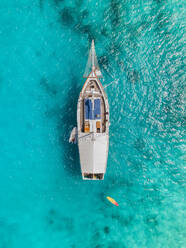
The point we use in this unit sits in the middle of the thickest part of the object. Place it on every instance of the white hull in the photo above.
(93, 127)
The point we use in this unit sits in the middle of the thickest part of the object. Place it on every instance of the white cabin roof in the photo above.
(93, 152)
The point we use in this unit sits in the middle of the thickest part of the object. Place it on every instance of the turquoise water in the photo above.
(43, 53)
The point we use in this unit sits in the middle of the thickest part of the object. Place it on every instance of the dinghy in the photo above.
(93, 122)
(73, 136)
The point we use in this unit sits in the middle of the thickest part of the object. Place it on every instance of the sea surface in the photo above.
(44, 45)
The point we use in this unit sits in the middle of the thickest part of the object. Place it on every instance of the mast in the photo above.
(92, 64)
(93, 55)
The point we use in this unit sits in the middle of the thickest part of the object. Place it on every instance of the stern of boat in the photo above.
(90, 176)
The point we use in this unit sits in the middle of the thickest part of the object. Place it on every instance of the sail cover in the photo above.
(92, 64)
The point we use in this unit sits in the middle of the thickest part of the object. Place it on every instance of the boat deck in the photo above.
(93, 122)
(92, 109)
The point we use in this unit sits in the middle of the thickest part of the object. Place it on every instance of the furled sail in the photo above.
(92, 64)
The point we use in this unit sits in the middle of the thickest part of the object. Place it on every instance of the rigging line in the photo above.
(110, 84)
(95, 136)
(86, 135)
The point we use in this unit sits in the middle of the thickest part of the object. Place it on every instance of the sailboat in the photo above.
(92, 132)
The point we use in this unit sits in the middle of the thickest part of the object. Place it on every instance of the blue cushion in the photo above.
(97, 109)
(88, 109)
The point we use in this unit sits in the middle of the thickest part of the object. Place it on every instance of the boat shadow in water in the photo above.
(67, 121)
